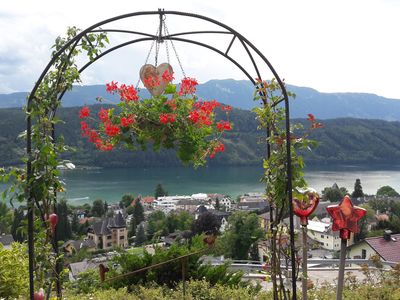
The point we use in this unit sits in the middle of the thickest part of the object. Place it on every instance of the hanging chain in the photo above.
(173, 47)
(147, 59)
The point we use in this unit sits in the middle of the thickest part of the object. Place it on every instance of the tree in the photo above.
(138, 212)
(358, 192)
(160, 192)
(140, 236)
(243, 231)
(75, 226)
(105, 207)
(98, 208)
(126, 200)
(206, 223)
(129, 210)
(132, 228)
(334, 193)
(64, 231)
(387, 191)
(6, 218)
(19, 235)
(217, 204)
(156, 224)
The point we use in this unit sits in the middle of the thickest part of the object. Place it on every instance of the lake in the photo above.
(110, 184)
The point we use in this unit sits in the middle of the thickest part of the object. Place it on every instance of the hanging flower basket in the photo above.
(173, 117)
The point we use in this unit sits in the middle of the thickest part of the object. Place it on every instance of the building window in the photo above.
(109, 244)
(363, 254)
(109, 237)
(121, 237)
(322, 236)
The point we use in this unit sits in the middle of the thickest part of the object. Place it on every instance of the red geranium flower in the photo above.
(311, 117)
(167, 76)
(128, 93)
(188, 86)
(84, 112)
(103, 115)
(167, 118)
(126, 121)
(224, 125)
(111, 87)
(151, 82)
(111, 130)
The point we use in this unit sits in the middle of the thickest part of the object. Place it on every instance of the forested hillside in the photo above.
(341, 141)
(239, 93)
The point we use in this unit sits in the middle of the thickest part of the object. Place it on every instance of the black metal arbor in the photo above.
(253, 72)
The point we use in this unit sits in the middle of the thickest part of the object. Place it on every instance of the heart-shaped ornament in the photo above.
(152, 78)
(305, 207)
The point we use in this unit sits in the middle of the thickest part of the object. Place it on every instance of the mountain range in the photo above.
(239, 94)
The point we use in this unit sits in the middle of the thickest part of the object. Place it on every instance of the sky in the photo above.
(330, 45)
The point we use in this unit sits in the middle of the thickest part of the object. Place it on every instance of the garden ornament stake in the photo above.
(304, 204)
(345, 218)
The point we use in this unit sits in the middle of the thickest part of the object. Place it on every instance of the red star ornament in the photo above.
(345, 217)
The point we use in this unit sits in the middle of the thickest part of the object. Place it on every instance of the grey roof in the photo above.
(252, 205)
(103, 227)
(6, 239)
(201, 209)
(82, 266)
(79, 244)
(189, 202)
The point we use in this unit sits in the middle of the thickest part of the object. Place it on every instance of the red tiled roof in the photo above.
(148, 199)
(388, 250)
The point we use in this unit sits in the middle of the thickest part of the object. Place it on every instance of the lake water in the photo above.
(110, 184)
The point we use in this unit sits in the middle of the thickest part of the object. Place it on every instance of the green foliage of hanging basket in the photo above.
(175, 119)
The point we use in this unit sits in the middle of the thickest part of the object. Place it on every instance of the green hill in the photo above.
(341, 141)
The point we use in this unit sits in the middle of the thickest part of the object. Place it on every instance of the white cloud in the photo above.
(339, 45)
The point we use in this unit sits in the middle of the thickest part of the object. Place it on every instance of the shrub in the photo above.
(13, 271)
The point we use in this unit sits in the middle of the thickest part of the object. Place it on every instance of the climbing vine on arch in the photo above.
(40, 182)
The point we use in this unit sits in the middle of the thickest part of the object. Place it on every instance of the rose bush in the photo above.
(175, 119)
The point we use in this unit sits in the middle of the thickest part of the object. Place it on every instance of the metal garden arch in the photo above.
(180, 37)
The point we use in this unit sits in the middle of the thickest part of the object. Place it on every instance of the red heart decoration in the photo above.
(152, 78)
(304, 208)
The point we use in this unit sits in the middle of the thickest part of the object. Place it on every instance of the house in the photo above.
(109, 232)
(222, 216)
(386, 246)
(188, 205)
(148, 202)
(168, 203)
(252, 205)
(200, 196)
(225, 202)
(321, 232)
(70, 247)
(76, 268)
(253, 197)
(6, 240)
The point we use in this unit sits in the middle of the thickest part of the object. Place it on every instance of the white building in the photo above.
(322, 233)
(168, 203)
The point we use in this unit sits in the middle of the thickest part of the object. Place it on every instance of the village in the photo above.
(142, 223)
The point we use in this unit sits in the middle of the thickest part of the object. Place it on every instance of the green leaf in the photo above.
(170, 89)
